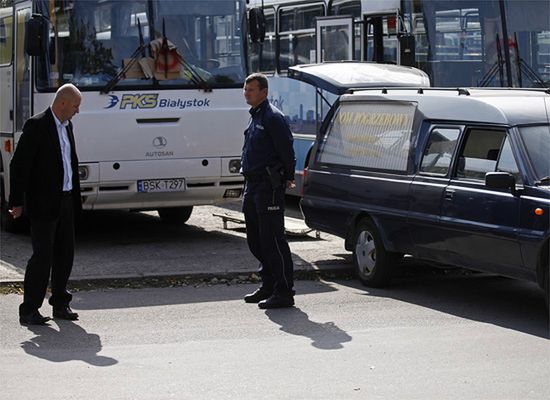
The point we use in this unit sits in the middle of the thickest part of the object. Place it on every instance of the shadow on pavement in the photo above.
(70, 343)
(509, 303)
(202, 293)
(324, 336)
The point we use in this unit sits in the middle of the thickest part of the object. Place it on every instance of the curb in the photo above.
(180, 280)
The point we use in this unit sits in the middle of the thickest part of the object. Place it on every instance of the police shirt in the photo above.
(268, 142)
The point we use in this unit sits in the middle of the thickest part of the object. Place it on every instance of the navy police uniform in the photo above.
(267, 163)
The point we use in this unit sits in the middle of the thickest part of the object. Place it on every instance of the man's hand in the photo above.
(290, 184)
(16, 212)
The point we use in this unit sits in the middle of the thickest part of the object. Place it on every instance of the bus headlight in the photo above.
(83, 173)
(234, 166)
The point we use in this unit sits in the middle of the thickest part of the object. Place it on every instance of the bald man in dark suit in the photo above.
(45, 185)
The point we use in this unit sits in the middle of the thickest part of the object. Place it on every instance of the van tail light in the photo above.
(304, 177)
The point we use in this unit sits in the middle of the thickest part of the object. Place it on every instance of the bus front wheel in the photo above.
(175, 215)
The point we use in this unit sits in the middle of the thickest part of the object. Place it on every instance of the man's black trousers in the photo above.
(263, 208)
(53, 249)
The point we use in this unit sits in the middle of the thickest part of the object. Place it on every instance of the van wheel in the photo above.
(373, 264)
(175, 215)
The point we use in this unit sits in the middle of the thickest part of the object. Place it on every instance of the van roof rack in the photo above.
(460, 91)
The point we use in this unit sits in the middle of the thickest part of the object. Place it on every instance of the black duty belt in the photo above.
(255, 178)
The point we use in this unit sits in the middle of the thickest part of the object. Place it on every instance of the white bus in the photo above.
(162, 116)
(458, 43)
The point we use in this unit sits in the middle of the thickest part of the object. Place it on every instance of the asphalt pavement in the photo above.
(128, 245)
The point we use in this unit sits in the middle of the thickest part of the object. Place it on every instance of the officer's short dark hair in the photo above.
(261, 78)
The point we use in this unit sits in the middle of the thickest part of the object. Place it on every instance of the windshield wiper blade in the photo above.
(196, 78)
(133, 59)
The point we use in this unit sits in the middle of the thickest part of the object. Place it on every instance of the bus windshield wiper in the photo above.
(194, 75)
(136, 55)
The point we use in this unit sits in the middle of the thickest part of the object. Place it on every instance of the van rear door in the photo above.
(427, 190)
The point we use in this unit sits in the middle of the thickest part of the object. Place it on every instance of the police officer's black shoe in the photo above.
(277, 301)
(258, 295)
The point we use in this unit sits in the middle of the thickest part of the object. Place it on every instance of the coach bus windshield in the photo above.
(186, 43)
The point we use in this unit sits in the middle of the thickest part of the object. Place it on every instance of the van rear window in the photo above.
(370, 135)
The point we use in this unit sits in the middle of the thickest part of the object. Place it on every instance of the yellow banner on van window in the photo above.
(378, 119)
(370, 135)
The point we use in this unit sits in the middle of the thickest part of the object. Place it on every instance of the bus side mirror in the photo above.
(256, 25)
(407, 50)
(36, 35)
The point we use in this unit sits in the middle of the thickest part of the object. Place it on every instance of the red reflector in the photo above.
(7, 146)
(303, 182)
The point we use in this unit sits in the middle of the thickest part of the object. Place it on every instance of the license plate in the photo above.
(161, 185)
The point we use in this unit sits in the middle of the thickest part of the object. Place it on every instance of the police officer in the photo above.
(267, 164)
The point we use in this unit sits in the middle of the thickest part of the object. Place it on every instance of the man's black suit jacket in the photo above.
(36, 169)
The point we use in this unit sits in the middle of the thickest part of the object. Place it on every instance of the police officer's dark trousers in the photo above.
(263, 208)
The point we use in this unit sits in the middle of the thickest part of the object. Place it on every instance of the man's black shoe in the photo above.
(277, 301)
(65, 313)
(258, 295)
(33, 318)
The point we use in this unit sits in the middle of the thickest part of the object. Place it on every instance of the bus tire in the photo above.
(175, 215)
(374, 265)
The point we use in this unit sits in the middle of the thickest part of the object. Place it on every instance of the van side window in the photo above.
(479, 153)
(507, 162)
(439, 151)
(370, 135)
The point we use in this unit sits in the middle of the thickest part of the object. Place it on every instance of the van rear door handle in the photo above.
(449, 194)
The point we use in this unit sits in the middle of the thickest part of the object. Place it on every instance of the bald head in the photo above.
(66, 102)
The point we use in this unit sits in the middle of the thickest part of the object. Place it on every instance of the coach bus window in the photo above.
(353, 8)
(297, 34)
(262, 55)
(6, 32)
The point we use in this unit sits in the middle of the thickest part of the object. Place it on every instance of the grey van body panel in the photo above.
(477, 107)
(451, 219)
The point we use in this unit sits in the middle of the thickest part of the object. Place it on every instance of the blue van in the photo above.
(459, 177)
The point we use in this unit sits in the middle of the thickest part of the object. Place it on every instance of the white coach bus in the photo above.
(162, 116)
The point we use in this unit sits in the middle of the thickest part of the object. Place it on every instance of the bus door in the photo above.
(6, 75)
(381, 38)
(22, 69)
(334, 38)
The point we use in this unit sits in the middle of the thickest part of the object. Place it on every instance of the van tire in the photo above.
(373, 264)
(175, 215)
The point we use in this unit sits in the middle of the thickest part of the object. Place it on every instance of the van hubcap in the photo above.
(365, 252)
